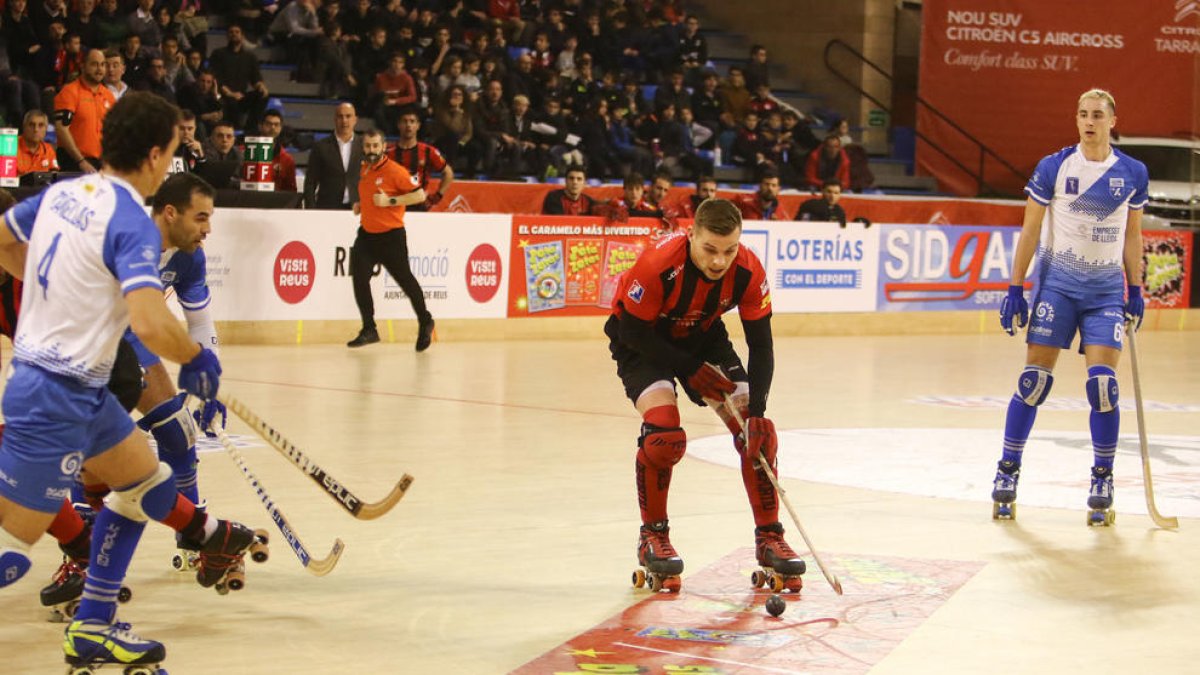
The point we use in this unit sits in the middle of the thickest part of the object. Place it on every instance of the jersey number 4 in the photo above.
(43, 268)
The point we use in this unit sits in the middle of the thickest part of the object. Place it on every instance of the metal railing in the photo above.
(984, 152)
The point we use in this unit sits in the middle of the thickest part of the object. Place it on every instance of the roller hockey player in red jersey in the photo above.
(666, 326)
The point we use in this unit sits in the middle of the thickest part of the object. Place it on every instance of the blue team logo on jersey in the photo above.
(1115, 186)
(636, 292)
(1072, 186)
(168, 277)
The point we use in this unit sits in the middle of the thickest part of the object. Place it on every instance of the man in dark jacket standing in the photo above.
(332, 178)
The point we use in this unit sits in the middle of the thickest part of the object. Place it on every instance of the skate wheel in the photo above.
(758, 578)
(794, 584)
(639, 578)
(125, 594)
(178, 563)
(263, 535)
(69, 609)
(80, 670)
(259, 552)
(656, 583)
(776, 583)
(221, 589)
(1004, 511)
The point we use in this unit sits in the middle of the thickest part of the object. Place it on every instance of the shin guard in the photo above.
(659, 449)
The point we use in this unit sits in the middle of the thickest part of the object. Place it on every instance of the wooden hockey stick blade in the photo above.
(334, 488)
(317, 566)
(1166, 522)
(831, 578)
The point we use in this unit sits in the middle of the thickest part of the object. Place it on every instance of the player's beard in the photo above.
(372, 158)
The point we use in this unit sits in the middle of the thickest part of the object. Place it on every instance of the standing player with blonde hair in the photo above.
(1083, 218)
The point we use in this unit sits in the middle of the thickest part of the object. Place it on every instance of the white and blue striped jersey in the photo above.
(90, 242)
(1083, 232)
(187, 274)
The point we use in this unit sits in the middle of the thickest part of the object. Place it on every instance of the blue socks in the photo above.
(114, 539)
(1105, 426)
(1017, 426)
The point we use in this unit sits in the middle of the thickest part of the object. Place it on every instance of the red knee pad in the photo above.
(663, 417)
(663, 448)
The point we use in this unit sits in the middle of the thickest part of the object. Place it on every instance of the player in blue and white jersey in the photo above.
(1083, 218)
(90, 256)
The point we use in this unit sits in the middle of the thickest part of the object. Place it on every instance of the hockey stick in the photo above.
(318, 567)
(334, 488)
(766, 468)
(1158, 518)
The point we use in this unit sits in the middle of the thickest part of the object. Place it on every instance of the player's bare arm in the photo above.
(12, 253)
(1133, 248)
(1031, 233)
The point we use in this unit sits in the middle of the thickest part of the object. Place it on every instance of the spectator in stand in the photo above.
(693, 50)
(543, 57)
(565, 62)
(194, 59)
(21, 38)
(222, 145)
(493, 125)
(79, 111)
(735, 95)
(404, 43)
(114, 74)
(189, 154)
(142, 23)
(426, 28)
(285, 165)
(243, 91)
(137, 60)
(627, 41)
(156, 80)
(841, 127)
(707, 106)
(33, 152)
(420, 159)
(370, 59)
(296, 27)
(177, 73)
(673, 93)
(592, 128)
(507, 15)
(706, 188)
(593, 40)
(394, 91)
(253, 17)
(631, 204)
(439, 50)
(757, 69)
(828, 162)
(678, 146)
(425, 90)
(661, 45)
(333, 69)
(824, 208)
(556, 29)
(631, 97)
(527, 159)
(570, 200)
(358, 18)
(59, 61)
(193, 22)
(550, 132)
(44, 12)
(454, 131)
(111, 25)
(762, 102)
(82, 22)
(468, 79)
(629, 151)
(332, 178)
(520, 80)
(583, 91)
(861, 176)
(802, 138)
(169, 27)
(201, 98)
(748, 149)
(764, 204)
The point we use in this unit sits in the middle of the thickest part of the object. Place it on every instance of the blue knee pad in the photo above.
(14, 559)
(175, 433)
(1034, 385)
(1102, 390)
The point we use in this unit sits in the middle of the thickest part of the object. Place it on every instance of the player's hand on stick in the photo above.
(711, 383)
(1135, 307)
(201, 377)
(206, 417)
(761, 437)
(1014, 306)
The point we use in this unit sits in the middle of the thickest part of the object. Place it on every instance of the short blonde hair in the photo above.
(718, 216)
(1102, 95)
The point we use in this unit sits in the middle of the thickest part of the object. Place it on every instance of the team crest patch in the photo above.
(1072, 186)
(1115, 185)
(636, 292)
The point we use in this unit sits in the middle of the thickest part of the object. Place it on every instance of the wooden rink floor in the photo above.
(519, 531)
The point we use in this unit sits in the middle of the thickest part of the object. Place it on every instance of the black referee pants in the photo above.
(389, 249)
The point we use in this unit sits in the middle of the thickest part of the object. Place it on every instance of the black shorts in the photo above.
(637, 373)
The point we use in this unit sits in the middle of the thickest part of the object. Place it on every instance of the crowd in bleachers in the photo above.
(501, 87)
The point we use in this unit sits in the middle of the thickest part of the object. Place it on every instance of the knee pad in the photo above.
(1102, 390)
(14, 559)
(171, 426)
(1034, 385)
(662, 448)
(151, 498)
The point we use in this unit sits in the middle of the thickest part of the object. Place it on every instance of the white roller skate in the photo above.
(1004, 491)
(1100, 498)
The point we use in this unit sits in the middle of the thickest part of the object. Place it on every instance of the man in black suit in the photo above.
(332, 178)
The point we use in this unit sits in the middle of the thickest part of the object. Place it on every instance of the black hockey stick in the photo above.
(333, 487)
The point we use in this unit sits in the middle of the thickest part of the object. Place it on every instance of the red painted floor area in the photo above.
(718, 623)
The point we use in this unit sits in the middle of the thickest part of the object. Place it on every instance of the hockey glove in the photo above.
(432, 199)
(206, 417)
(710, 383)
(201, 377)
(1014, 305)
(1135, 307)
(760, 437)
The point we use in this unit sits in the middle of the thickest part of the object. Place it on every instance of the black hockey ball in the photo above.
(775, 605)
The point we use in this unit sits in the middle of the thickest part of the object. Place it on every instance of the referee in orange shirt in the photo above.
(385, 189)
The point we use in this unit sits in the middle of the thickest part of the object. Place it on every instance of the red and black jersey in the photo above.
(10, 304)
(665, 287)
(557, 203)
(419, 160)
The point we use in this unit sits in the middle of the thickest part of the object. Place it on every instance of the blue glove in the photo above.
(1135, 307)
(1014, 305)
(207, 414)
(201, 376)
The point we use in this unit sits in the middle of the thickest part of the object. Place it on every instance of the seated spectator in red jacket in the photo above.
(764, 204)
(706, 188)
(570, 200)
(285, 165)
(395, 90)
(828, 162)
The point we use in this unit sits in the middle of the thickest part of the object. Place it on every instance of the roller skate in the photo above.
(660, 564)
(781, 567)
(220, 560)
(91, 645)
(187, 557)
(1004, 491)
(66, 587)
(1100, 498)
